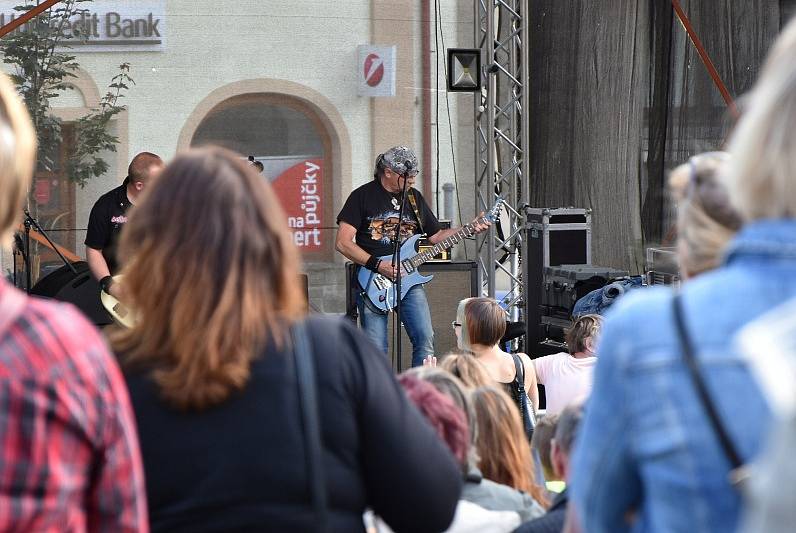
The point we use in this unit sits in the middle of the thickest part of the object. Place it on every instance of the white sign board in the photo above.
(376, 70)
(108, 25)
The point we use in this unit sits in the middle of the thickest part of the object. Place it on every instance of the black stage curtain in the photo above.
(619, 96)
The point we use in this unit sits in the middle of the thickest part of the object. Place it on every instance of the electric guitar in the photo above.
(380, 289)
(120, 313)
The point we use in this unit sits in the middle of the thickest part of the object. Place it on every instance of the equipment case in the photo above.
(565, 234)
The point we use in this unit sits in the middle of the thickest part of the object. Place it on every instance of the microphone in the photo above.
(408, 165)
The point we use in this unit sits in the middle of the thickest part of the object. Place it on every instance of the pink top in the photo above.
(566, 379)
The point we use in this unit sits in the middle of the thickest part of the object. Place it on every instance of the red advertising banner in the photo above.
(300, 190)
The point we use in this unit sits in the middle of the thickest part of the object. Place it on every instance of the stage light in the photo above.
(464, 69)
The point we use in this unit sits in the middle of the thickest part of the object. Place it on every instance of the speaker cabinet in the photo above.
(554, 236)
(78, 288)
(453, 281)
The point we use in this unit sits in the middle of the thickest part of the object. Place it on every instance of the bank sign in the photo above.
(108, 25)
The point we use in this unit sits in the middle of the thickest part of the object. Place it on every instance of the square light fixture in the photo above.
(464, 69)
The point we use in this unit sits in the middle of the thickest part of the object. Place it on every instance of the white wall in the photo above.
(211, 44)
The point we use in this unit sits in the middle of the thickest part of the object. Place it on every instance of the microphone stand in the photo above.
(19, 249)
(31, 222)
(396, 261)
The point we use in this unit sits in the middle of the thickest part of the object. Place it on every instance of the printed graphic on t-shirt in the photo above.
(383, 226)
(121, 219)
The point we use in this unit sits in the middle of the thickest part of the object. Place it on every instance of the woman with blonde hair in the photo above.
(567, 376)
(674, 412)
(238, 431)
(71, 460)
(503, 449)
(706, 221)
(467, 368)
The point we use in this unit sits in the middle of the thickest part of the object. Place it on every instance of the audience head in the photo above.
(762, 180)
(17, 157)
(258, 165)
(582, 336)
(705, 219)
(542, 437)
(453, 388)
(211, 276)
(467, 368)
(482, 322)
(445, 417)
(142, 169)
(505, 455)
(566, 431)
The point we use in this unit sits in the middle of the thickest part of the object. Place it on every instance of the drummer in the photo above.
(109, 215)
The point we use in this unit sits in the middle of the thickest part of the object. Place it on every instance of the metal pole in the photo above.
(489, 182)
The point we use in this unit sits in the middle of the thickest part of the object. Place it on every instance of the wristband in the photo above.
(372, 263)
(105, 283)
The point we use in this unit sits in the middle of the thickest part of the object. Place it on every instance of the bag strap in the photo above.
(413, 202)
(520, 371)
(308, 401)
(699, 383)
(526, 402)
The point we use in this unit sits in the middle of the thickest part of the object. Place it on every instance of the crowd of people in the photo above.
(224, 407)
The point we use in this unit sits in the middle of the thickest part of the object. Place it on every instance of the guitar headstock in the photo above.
(494, 213)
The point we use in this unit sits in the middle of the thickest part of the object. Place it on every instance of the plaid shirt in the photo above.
(69, 456)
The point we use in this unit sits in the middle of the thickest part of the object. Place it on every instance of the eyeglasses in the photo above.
(455, 324)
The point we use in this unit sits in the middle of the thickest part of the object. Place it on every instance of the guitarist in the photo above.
(109, 215)
(368, 224)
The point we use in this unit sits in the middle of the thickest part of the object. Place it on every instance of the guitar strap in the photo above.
(413, 202)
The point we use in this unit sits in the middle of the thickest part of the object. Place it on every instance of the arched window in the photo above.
(294, 148)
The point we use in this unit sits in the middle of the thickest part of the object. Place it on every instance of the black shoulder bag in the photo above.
(526, 409)
(308, 403)
(740, 472)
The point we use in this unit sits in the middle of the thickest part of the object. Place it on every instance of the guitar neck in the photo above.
(445, 244)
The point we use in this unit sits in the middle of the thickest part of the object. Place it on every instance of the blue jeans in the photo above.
(416, 319)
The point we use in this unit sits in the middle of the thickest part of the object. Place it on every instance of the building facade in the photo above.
(278, 80)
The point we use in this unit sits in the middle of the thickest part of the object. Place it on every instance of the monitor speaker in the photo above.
(453, 281)
(76, 287)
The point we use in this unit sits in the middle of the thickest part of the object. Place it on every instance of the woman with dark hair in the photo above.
(479, 326)
(212, 372)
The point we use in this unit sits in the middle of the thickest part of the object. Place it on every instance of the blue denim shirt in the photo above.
(646, 447)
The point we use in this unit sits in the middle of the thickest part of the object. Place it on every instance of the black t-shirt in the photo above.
(105, 222)
(373, 211)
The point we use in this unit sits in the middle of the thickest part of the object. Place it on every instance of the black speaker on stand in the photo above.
(78, 288)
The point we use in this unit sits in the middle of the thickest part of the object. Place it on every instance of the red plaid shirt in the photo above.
(69, 456)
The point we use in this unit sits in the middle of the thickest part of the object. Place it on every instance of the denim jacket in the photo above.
(646, 449)
(599, 300)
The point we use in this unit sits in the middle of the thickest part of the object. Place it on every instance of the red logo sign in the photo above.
(300, 189)
(374, 70)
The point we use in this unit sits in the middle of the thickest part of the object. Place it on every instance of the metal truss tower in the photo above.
(501, 142)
